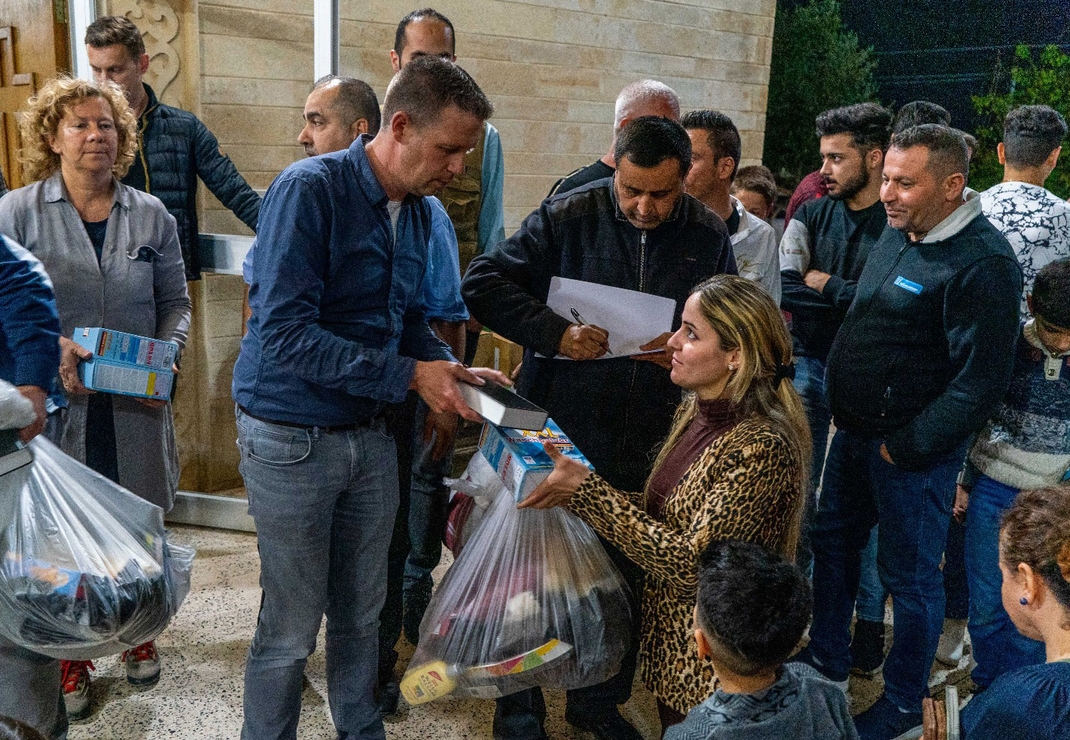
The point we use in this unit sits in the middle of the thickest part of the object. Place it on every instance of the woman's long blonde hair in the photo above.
(39, 120)
(747, 319)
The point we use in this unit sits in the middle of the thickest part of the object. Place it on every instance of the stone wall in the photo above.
(552, 68)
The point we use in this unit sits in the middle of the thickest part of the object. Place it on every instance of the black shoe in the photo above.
(867, 648)
(605, 726)
(389, 694)
(885, 721)
(806, 658)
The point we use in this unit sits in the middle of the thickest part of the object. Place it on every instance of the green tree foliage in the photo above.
(817, 64)
(1033, 79)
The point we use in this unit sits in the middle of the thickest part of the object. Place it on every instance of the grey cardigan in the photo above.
(138, 287)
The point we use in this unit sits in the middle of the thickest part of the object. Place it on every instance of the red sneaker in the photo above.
(75, 681)
(142, 664)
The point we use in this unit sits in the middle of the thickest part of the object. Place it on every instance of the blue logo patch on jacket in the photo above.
(910, 285)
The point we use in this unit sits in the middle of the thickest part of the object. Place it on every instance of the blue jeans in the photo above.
(997, 646)
(810, 385)
(871, 594)
(324, 504)
(914, 508)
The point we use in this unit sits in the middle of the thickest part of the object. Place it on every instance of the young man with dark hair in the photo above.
(750, 615)
(174, 147)
(822, 253)
(637, 99)
(639, 231)
(337, 333)
(1035, 222)
(716, 149)
(923, 355)
(1026, 444)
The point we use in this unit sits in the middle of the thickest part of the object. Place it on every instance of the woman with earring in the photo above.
(733, 466)
(1032, 703)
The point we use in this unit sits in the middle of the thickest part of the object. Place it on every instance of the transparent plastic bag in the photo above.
(16, 411)
(86, 568)
(532, 600)
(470, 497)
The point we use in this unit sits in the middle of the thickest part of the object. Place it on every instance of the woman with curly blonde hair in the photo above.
(113, 255)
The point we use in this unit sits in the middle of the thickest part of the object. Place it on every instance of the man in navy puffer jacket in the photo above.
(174, 147)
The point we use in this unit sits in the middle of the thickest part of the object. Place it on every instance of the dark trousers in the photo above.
(520, 716)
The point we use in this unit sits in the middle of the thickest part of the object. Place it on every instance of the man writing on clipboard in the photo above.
(638, 231)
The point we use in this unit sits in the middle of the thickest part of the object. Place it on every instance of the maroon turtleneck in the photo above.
(712, 419)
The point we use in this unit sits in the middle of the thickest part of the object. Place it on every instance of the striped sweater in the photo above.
(1026, 443)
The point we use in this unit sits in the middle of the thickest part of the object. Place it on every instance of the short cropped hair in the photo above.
(722, 136)
(418, 15)
(110, 30)
(1051, 293)
(644, 93)
(40, 118)
(1031, 133)
(947, 148)
(648, 141)
(758, 179)
(919, 112)
(355, 100)
(868, 123)
(752, 604)
(426, 86)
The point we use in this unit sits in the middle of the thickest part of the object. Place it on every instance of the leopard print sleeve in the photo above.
(744, 486)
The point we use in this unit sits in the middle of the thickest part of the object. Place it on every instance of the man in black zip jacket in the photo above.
(174, 147)
(636, 230)
(922, 359)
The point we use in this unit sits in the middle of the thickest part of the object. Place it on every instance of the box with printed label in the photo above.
(518, 457)
(126, 364)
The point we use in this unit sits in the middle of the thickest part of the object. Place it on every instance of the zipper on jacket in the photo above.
(141, 151)
(642, 260)
(887, 401)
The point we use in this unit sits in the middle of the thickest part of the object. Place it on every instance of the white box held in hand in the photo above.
(126, 364)
(518, 457)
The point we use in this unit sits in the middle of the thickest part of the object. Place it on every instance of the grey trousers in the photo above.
(30, 690)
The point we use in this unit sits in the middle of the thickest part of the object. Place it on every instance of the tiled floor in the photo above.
(199, 696)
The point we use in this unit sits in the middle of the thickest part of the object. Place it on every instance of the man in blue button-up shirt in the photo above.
(337, 332)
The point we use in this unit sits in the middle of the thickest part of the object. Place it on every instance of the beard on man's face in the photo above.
(851, 187)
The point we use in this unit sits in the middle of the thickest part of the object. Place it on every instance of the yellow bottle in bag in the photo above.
(429, 682)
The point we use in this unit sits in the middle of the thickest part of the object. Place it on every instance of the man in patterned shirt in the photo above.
(1035, 222)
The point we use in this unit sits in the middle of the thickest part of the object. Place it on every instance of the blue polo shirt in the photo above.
(338, 322)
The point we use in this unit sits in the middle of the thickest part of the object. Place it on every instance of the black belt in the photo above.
(337, 429)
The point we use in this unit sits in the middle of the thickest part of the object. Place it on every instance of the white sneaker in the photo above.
(142, 664)
(949, 649)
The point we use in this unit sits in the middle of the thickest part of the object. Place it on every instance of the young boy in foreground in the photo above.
(752, 609)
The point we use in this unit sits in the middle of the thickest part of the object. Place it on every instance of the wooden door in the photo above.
(34, 47)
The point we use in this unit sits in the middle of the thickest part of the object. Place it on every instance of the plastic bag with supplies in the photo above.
(532, 600)
(85, 566)
(470, 497)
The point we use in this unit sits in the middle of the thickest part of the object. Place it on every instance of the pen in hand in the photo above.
(581, 322)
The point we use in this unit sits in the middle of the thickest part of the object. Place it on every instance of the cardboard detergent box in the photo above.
(126, 364)
(518, 457)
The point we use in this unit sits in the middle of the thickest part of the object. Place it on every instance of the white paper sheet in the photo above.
(631, 318)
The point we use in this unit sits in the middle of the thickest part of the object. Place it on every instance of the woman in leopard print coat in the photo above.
(733, 467)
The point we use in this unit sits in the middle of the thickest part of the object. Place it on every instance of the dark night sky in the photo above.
(946, 50)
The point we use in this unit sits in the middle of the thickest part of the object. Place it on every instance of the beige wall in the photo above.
(552, 68)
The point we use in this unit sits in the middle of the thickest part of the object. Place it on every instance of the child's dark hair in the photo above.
(1051, 293)
(752, 604)
(12, 729)
(1036, 531)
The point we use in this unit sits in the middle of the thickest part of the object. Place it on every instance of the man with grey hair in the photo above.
(919, 364)
(637, 99)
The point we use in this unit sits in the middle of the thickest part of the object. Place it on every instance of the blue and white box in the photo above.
(518, 457)
(126, 364)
